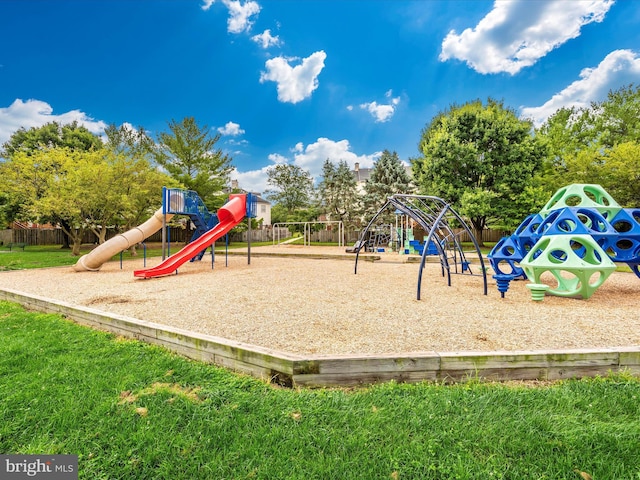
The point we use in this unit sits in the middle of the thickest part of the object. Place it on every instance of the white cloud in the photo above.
(240, 15)
(381, 112)
(231, 129)
(253, 180)
(129, 128)
(277, 158)
(35, 113)
(313, 156)
(206, 5)
(310, 158)
(294, 83)
(517, 33)
(238, 143)
(620, 67)
(266, 40)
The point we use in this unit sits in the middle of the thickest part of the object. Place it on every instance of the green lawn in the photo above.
(41, 256)
(131, 410)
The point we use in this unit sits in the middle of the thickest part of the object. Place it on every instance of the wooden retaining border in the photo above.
(347, 370)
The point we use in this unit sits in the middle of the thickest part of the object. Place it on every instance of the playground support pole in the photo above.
(169, 243)
(164, 221)
(443, 256)
(364, 233)
(164, 238)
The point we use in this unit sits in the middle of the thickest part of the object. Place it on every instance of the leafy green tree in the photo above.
(140, 180)
(187, 152)
(622, 179)
(616, 169)
(338, 192)
(42, 181)
(595, 144)
(54, 134)
(125, 139)
(51, 135)
(292, 187)
(279, 214)
(564, 134)
(616, 119)
(120, 191)
(8, 210)
(82, 190)
(482, 159)
(25, 178)
(388, 177)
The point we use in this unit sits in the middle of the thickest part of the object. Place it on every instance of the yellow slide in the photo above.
(93, 260)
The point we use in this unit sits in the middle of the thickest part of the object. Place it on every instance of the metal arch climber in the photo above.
(434, 215)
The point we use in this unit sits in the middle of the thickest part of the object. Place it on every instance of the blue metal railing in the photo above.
(188, 202)
(252, 205)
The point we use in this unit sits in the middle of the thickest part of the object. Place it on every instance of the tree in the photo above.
(188, 154)
(28, 142)
(116, 191)
(82, 190)
(8, 210)
(616, 169)
(25, 178)
(564, 136)
(46, 182)
(143, 182)
(389, 176)
(595, 144)
(125, 139)
(617, 119)
(338, 192)
(622, 179)
(292, 187)
(54, 134)
(482, 159)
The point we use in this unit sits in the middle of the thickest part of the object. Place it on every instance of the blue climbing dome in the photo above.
(581, 221)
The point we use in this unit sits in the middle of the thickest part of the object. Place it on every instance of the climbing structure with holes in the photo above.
(571, 246)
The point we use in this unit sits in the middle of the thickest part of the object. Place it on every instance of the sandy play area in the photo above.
(319, 306)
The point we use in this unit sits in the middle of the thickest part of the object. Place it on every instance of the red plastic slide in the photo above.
(229, 216)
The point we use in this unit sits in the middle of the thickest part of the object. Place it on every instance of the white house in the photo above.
(263, 208)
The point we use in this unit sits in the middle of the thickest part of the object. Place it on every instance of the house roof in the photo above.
(259, 199)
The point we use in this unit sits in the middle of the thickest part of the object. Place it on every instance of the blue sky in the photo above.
(301, 81)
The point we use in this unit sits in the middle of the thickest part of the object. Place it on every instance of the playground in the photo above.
(307, 300)
(323, 316)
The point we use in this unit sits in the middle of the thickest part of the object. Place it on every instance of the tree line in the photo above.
(67, 176)
(492, 166)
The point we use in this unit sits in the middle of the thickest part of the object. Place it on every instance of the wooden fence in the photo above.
(55, 236)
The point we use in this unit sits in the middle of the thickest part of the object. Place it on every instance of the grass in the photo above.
(131, 410)
(39, 256)
(42, 256)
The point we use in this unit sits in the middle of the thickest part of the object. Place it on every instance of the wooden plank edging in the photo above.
(347, 370)
(257, 361)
